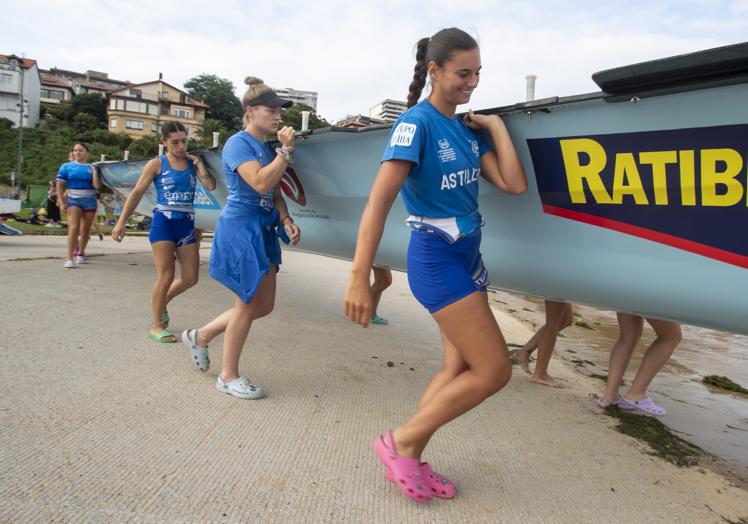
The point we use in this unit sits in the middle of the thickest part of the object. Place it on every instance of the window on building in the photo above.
(154, 127)
(164, 95)
(152, 109)
(113, 123)
(134, 124)
(136, 93)
(6, 78)
(182, 113)
(136, 107)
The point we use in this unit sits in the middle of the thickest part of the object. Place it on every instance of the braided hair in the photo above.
(437, 49)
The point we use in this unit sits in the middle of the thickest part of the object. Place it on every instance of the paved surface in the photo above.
(99, 424)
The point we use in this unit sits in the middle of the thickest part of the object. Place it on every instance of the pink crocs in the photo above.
(404, 471)
(440, 486)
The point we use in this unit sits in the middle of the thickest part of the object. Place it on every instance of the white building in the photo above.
(18, 73)
(308, 98)
(388, 110)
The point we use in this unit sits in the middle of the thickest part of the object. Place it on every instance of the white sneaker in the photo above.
(69, 264)
(240, 388)
(80, 259)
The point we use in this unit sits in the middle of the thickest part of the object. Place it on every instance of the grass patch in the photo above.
(724, 383)
(664, 444)
(583, 324)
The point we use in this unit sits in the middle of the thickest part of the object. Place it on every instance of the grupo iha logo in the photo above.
(685, 188)
(292, 188)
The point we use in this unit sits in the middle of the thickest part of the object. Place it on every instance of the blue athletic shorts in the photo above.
(181, 231)
(440, 273)
(88, 205)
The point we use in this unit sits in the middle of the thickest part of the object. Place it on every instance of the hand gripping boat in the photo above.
(637, 198)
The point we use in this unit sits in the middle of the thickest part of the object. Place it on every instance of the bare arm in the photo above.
(206, 178)
(392, 174)
(96, 179)
(500, 167)
(150, 171)
(293, 231)
(263, 179)
(61, 198)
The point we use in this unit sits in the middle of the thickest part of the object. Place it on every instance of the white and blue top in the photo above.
(441, 189)
(240, 148)
(78, 178)
(175, 190)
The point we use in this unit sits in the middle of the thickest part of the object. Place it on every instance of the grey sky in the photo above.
(357, 53)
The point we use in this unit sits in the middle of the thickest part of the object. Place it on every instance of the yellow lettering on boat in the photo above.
(576, 173)
(731, 190)
(687, 177)
(626, 180)
(659, 161)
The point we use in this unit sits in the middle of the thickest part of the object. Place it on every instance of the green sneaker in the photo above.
(376, 319)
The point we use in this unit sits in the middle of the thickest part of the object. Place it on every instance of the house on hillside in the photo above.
(19, 74)
(140, 109)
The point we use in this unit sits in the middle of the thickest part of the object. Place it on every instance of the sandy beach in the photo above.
(99, 424)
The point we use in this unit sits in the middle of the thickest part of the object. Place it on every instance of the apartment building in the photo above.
(388, 110)
(54, 90)
(83, 83)
(308, 98)
(139, 109)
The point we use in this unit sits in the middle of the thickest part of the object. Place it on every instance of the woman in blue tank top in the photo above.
(246, 254)
(77, 182)
(172, 231)
(435, 159)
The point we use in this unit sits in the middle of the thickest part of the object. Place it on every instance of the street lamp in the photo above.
(21, 101)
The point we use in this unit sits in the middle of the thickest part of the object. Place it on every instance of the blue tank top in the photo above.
(175, 189)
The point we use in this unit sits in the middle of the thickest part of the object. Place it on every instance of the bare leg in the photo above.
(188, 268)
(163, 258)
(555, 316)
(241, 320)
(481, 344)
(630, 331)
(454, 365)
(85, 227)
(522, 355)
(74, 220)
(668, 337)
(95, 225)
(214, 328)
(382, 280)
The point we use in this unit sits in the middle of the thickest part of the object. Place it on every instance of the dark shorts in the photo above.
(181, 231)
(440, 273)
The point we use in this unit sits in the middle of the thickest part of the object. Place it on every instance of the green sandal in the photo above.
(163, 337)
(165, 318)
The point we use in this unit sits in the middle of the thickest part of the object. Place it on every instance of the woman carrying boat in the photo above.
(77, 182)
(173, 226)
(434, 159)
(659, 352)
(246, 254)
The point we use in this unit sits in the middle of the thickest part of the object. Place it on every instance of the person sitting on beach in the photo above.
(173, 224)
(434, 159)
(246, 254)
(558, 316)
(78, 200)
(668, 337)
(382, 280)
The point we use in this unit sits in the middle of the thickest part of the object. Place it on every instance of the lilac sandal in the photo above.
(606, 405)
(404, 471)
(645, 405)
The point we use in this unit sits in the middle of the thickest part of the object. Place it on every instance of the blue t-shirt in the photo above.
(76, 175)
(175, 188)
(443, 181)
(243, 147)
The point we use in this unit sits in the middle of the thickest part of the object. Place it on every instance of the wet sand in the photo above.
(713, 419)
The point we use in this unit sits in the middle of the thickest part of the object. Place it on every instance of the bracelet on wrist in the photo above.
(283, 220)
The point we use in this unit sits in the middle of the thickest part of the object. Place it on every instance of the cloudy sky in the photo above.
(356, 53)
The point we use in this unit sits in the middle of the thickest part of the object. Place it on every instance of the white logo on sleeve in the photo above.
(403, 135)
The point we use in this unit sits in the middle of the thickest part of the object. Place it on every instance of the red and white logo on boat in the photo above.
(292, 188)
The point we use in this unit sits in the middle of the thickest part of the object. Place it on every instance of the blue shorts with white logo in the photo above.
(87, 205)
(181, 231)
(440, 273)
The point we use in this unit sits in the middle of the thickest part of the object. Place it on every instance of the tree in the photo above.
(292, 117)
(207, 128)
(218, 93)
(84, 122)
(91, 103)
